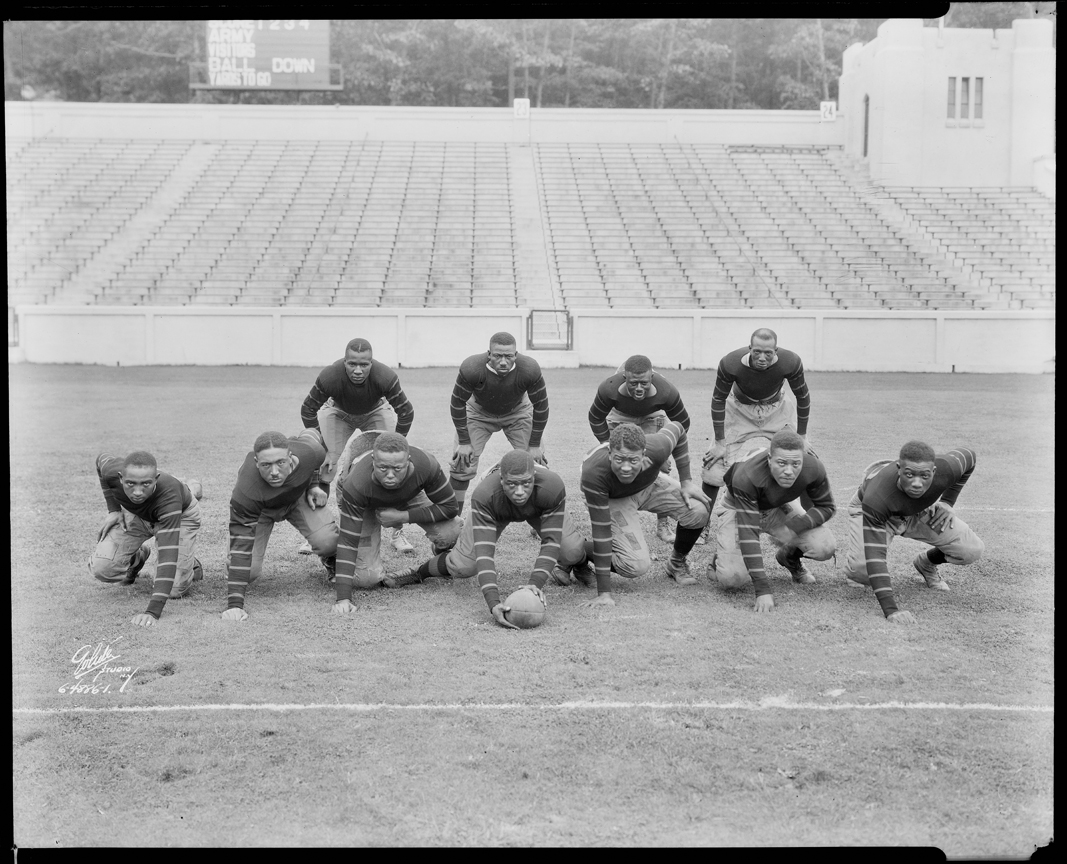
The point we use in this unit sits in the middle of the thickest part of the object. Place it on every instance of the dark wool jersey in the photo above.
(599, 485)
(750, 386)
(360, 492)
(333, 383)
(613, 393)
(882, 501)
(162, 510)
(499, 394)
(252, 495)
(754, 489)
(492, 510)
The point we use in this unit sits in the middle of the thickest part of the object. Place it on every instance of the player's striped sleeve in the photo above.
(961, 461)
(723, 382)
(800, 390)
(405, 412)
(598, 417)
(874, 553)
(309, 410)
(457, 407)
(349, 532)
(108, 466)
(485, 530)
(747, 519)
(168, 532)
(443, 505)
(551, 531)
(239, 562)
(600, 528)
(679, 448)
(538, 393)
(675, 410)
(822, 507)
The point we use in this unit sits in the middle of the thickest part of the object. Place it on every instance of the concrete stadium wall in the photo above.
(837, 340)
(357, 123)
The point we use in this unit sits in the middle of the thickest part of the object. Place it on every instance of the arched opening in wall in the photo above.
(866, 122)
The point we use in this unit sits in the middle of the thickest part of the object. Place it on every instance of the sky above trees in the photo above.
(772, 63)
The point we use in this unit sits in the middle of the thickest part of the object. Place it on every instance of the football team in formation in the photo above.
(760, 476)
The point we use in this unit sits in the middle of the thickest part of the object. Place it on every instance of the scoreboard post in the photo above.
(266, 54)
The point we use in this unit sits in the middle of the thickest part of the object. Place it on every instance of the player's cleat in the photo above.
(330, 565)
(402, 578)
(562, 575)
(796, 567)
(663, 531)
(136, 565)
(928, 570)
(305, 549)
(198, 570)
(585, 573)
(678, 570)
(400, 542)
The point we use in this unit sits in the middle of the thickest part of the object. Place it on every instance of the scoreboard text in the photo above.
(268, 54)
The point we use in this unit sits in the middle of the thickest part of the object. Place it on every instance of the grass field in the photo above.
(679, 717)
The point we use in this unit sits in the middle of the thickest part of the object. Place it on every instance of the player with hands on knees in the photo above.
(913, 496)
(761, 497)
(278, 481)
(516, 490)
(144, 502)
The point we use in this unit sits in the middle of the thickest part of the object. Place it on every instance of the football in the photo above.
(527, 609)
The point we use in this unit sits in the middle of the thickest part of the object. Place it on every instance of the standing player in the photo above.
(517, 490)
(390, 484)
(143, 502)
(911, 497)
(622, 477)
(359, 393)
(279, 480)
(638, 394)
(500, 390)
(761, 497)
(750, 403)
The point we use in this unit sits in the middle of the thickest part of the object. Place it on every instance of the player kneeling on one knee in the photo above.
(517, 490)
(761, 497)
(143, 502)
(278, 481)
(621, 478)
(911, 497)
(390, 484)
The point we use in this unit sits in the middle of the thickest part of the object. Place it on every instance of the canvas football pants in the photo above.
(463, 563)
(516, 426)
(337, 427)
(749, 428)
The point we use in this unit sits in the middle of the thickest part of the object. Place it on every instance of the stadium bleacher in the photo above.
(372, 223)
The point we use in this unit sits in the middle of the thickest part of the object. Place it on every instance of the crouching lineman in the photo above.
(279, 480)
(761, 497)
(391, 475)
(910, 497)
(516, 490)
(621, 478)
(143, 502)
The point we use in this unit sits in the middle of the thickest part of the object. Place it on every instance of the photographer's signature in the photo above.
(92, 667)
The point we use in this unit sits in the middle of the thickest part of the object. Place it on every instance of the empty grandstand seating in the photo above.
(371, 223)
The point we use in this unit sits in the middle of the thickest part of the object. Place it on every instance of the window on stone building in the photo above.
(951, 98)
(978, 98)
(965, 86)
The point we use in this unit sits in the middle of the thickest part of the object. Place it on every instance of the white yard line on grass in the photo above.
(765, 704)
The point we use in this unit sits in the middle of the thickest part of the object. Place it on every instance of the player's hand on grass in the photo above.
(604, 599)
(942, 516)
(462, 457)
(691, 491)
(498, 614)
(343, 607)
(235, 614)
(901, 617)
(110, 522)
(764, 603)
(317, 497)
(538, 455)
(143, 620)
(390, 517)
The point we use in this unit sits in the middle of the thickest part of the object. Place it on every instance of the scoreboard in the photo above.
(265, 54)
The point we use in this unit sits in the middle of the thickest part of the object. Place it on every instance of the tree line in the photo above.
(770, 63)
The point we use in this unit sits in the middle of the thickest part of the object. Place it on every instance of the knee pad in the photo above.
(639, 568)
(695, 517)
